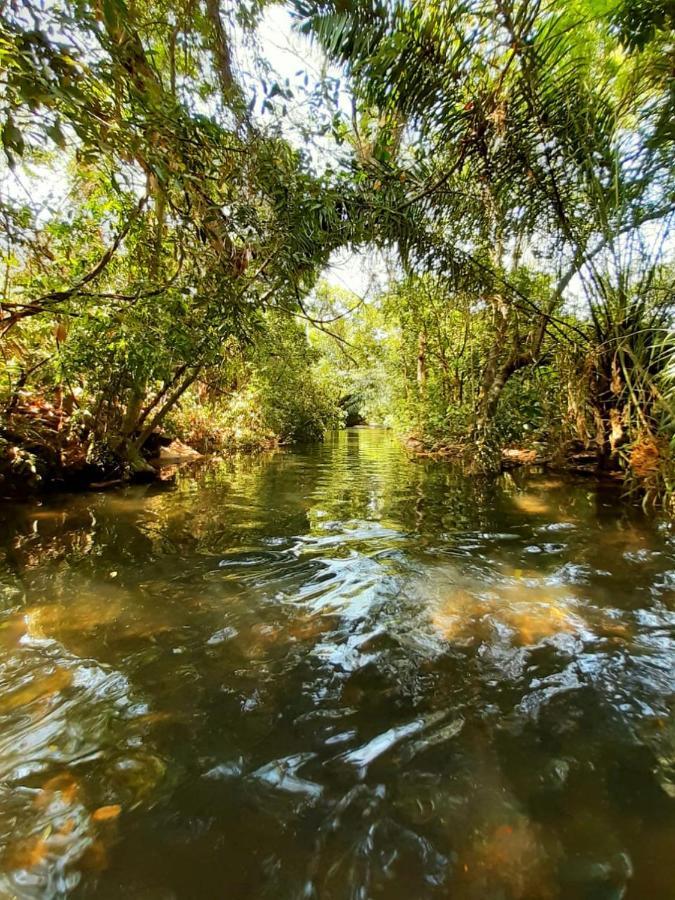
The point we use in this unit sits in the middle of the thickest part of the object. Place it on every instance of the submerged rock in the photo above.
(176, 451)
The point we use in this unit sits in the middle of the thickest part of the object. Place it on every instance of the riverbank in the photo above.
(573, 457)
(43, 449)
(41, 453)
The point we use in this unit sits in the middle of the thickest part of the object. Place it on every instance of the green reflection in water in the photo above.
(337, 673)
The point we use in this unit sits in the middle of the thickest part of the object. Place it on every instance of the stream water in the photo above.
(337, 673)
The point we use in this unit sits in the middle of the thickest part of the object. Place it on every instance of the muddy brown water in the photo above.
(337, 673)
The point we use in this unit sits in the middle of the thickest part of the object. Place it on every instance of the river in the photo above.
(337, 673)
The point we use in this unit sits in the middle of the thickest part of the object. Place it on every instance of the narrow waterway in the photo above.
(336, 673)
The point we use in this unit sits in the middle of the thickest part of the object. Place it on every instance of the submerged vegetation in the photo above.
(169, 205)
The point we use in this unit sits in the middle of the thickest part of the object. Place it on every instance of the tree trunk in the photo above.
(164, 410)
(493, 393)
(488, 455)
(422, 362)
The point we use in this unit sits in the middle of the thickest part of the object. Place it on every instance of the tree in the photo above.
(185, 222)
(536, 134)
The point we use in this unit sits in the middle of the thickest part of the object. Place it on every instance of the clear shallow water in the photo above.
(335, 673)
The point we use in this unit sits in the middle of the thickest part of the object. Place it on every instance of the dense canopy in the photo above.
(171, 202)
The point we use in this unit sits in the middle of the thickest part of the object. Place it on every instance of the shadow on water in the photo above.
(337, 673)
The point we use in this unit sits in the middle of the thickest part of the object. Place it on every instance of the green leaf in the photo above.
(12, 139)
(112, 10)
(56, 134)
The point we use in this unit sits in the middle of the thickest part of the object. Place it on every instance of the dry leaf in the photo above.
(105, 813)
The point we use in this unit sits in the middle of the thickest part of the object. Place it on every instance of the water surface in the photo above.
(337, 673)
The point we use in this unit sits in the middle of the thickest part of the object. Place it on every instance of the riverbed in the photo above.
(338, 673)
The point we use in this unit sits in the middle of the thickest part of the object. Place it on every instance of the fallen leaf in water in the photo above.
(155, 718)
(64, 784)
(67, 827)
(27, 853)
(106, 813)
(64, 781)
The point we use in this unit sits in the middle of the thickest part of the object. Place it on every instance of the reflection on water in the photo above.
(336, 673)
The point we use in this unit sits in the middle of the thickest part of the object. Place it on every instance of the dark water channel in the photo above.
(336, 673)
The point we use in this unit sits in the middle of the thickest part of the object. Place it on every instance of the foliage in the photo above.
(275, 391)
(434, 356)
(184, 221)
(537, 134)
(516, 159)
